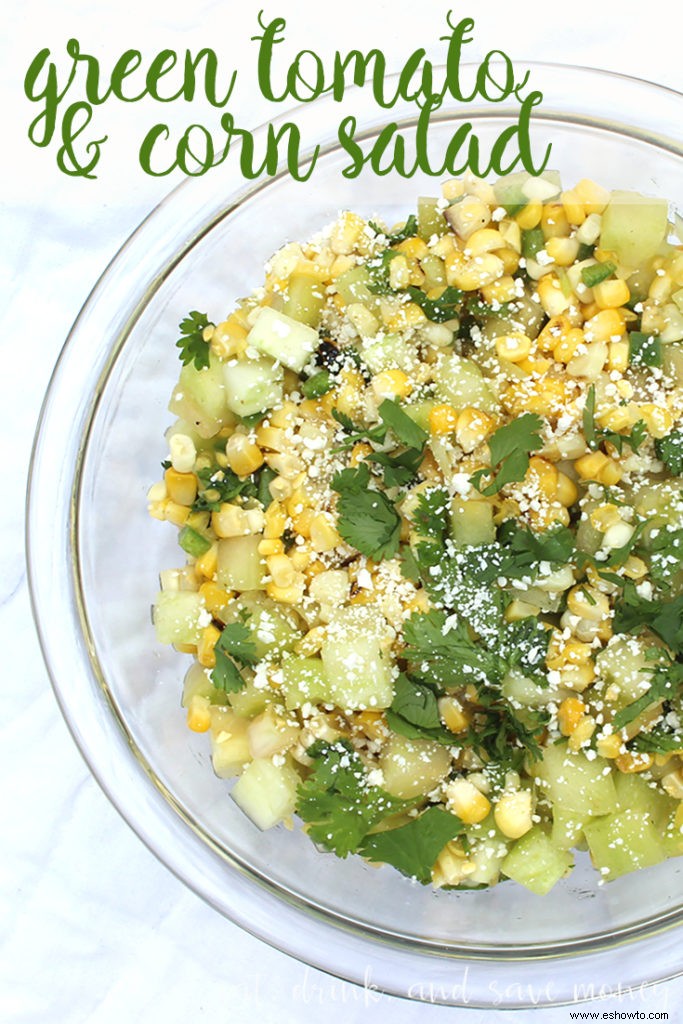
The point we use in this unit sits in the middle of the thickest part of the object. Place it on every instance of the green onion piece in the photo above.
(645, 349)
(532, 243)
(193, 542)
(585, 251)
(596, 273)
(317, 385)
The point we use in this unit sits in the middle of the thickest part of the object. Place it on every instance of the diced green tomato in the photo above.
(520, 690)
(645, 349)
(430, 218)
(270, 733)
(596, 273)
(305, 299)
(636, 794)
(188, 429)
(472, 522)
(419, 412)
(412, 767)
(193, 542)
(200, 398)
(317, 385)
(197, 684)
(573, 782)
(623, 665)
(304, 682)
(252, 386)
(588, 539)
(672, 363)
(177, 616)
(460, 383)
(284, 339)
(266, 792)
(229, 742)
(514, 191)
(389, 352)
(355, 665)
(271, 631)
(352, 285)
(623, 842)
(536, 863)
(240, 566)
(533, 241)
(567, 828)
(434, 270)
(634, 227)
(251, 700)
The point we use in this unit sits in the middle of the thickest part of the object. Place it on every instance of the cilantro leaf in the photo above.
(376, 434)
(217, 486)
(645, 349)
(193, 348)
(407, 231)
(524, 550)
(413, 848)
(595, 436)
(367, 520)
(670, 450)
(439, 310)
(378, 270)
(234, 647)
(405, 429)
(510, 447)
(658, 741)
(400, 469)
(414, 712)
(337, 802)
(664, 684)
(666, 554)
(430, 514)
(665, 618)
(445, 651)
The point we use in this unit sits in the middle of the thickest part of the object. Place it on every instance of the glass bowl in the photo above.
(94, 556)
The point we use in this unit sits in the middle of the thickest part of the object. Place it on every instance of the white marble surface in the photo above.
(92, 927)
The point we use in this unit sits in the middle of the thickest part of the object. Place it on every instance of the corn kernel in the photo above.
(443, 419)
(588, 603)
(373, 724)
(391, 384)
(468, 216)
(281, 570)
(228, 338)
(477, 273)
(472, 427)
(611, 294)
(577, 677)
(563, 652)
(510, 259)
(574, 209)
(610, 474)
(513, 813)
(554, 331)
(551, 296)
(270, 547)
(502, 290)
(513, 347)
(554, 221)
(470, 805)
(415, 248)
(452, 714)
(275, 521)
(530, 216)
(567, 346)
(181, 487)
(309, 644)
(244, 457)
(593, 196)
(207, 564)
(207, 642)
(563, 250)
(359, 452)
(590, 466)
(605, 516)
(484, 240)
(175, 513)
(566, 491)
(324, 536)
(609, 746)
(634, 761)
(199, 714)
(215, 598)
(605, 325)
(582, 732)
(288, 595)
(658, 419)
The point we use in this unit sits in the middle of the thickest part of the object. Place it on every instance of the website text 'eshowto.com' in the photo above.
(618, 1015)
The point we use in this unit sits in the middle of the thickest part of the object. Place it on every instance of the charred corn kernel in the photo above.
(288, 595)
(672, 783)
(605, 516)
(207, 563)
(472, 427)
(175, 513)
(542, 475)
(554, 223)
(215, 598)
(634, 568)
(414, 248)
(518, 610)
(199, 713)
(443, 419)
(181, 487)
(372, 724)
(573, 207)
(391, 384)
(658, 419)
(229, 338)
(554, 331)
(563, 250)
(484, 240)
(588, 603)
(593, 196)
(530, 216)
(510, 259)
(590, 466)
(271, 547)
(567, 493)
(275, 520)
(582, 732)
(467, 801)
(452, 714)
(311, 642)
(551, 296)
(244, 457)
(634, 761)
(609, 746)
(605, 325)
(563, 652)
(478, 272)
(346, 232)
(513, 347)
(611, 294)
(324, 537)
(513, 813)
(577, 677)
(207, 642)
(502, 290)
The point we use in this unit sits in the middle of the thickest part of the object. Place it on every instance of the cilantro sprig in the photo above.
(193, 348)
(413, 848)
(367, 520)
(510, 447)
(407, 231)
(670, 450)
(234, 648)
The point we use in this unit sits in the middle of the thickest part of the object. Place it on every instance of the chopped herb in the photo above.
(664, 684)
(595, 436)
(399, 469)
(266, 475)
(317, 385)
(665, 549)
(510, 447)
(337, 802)
(413, 848)
(597, 273)
(658, 741)
(438, 310)
(670, 450)
(234, 647)
(193, 348)
(355, 433)
(645, 349)
(378, 271)
(408, 230)
(217, 486)
(430, 514)
(166, 464)
(523, 550)
(367, 520)
(406, 430)
(663, 617)
(415, 702)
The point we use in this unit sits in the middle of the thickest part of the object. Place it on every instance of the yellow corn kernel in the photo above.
(284, 416)
(301, 523)
(408, 314)
(634, 568)
(244, 457)
(472, 427)
(530, 216)
(510, 259)
(672, 783)
(563, 652)
(199, 713)
(229, 338)
(618, 356)
(660, 289)
(605, 516)
(301, 556)
(551, 296)
(415, 248)
(281, 570)
(399, 273)
(513, 347)
(573, 207)
(557, 328)
(443, 419)
(535, 366)
(275, 521)
(605, 325)
(478, 272)
(391, 384)
(175, 513)
(484, 240)
(554, 223)
(207, 563)
(207, 642)
(452, 866)
(582, 732)
(215, 598)
(518, 610)
(567, 346)
(452, 714)
(658, 419)
(470, 805)
(270, 546)
(634, 761)
(419, 602)
(502, 290)
(346, 232)
(323, 535)
(273, 439)
(590, 466)
(513, 813)
(181, 487)
(542, 476)
(611, 294)
(577, 677)
(359, 452)
(547, 398)
(567, 493)
(588, 603)
(563, 250)
(372, 724)
(235, 521)
(288, 595)
(609, 746)
(594, 197)
(311, 642)
(610, 474)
